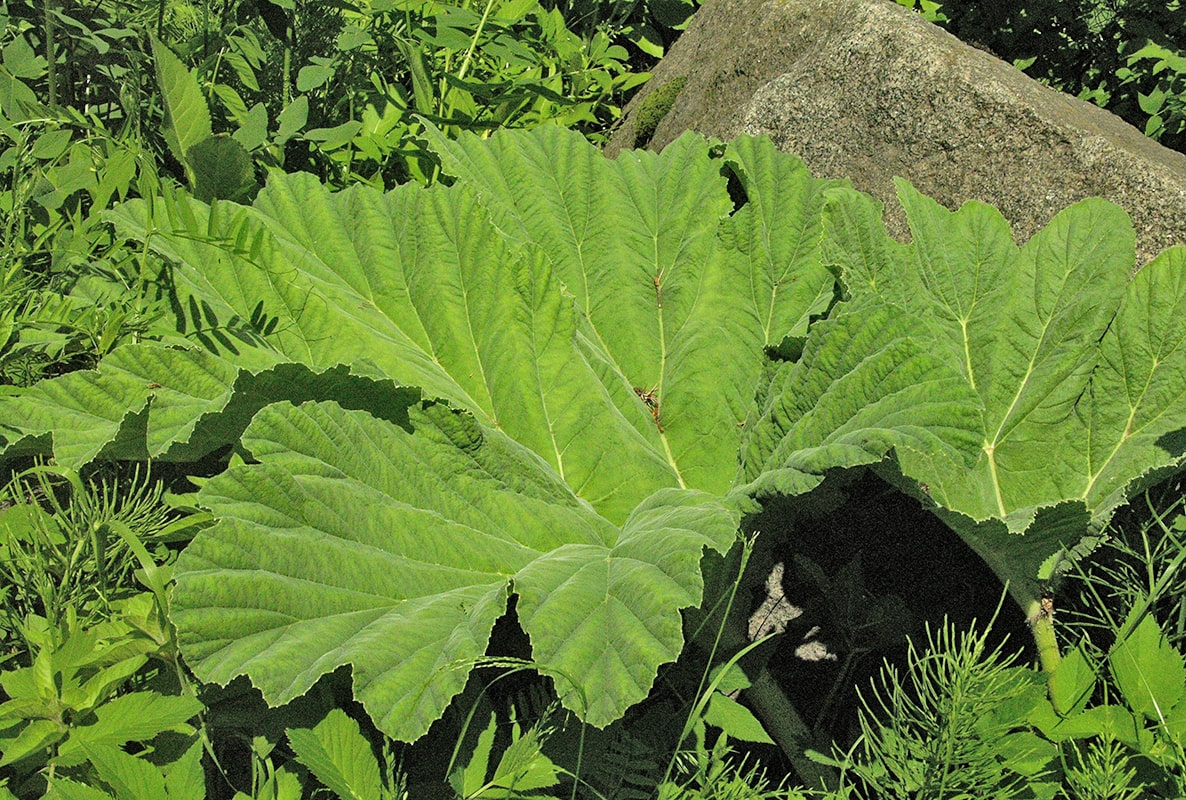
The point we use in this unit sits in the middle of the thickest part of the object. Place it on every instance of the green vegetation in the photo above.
(654, 108)
(366, 433)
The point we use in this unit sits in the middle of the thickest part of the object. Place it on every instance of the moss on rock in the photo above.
(654, 108)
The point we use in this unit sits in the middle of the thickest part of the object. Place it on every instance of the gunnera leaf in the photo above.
(355, 541)
(1077, 373)
(592, 370)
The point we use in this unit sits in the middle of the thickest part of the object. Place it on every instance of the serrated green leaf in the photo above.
(1136, 398)
(66, 789)
(735, 720)
(199, 402)
(338, 755)
(596, 333)
(468, 780)
(1071, 684)
(184, 778)
(522, 768)
(222, 169)
(644, 245)
(864, 385)
(1107, 721)
(418, 283)
(1148, 670)
(414, 566)
(187, 117)
(135, 717)
(132, 778)
(1077, 374)
(91, 410)
(33, 738)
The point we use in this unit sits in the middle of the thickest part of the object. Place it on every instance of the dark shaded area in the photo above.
(891, 569)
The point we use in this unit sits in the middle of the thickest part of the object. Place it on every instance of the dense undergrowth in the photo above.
(468, 463)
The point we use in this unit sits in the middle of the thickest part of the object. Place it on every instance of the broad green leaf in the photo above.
(418, 284)
(1108, 721)
(1137, 400)
(222, 169)
(1022, 326)
(735, 720)
(864, 385)
(779, 231)
(355, 541)
(187, 118)
(66, 789)
(184, 778)
(31, 739)
(313, 75)
(338, 755)
(1072, 683)
(678, 299)
(87, 411)
(624, 593)
(575, 371)
(199, 402)
(1076, 370)
(135, 717)
(132, 778)
(291, 119)
(1148, 670)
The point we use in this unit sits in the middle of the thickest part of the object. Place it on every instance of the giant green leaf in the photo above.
(355, 541)
(677, 297)
(418, 285)
(148, 401)
(865, 385)
(629, 395)
(1077, 372)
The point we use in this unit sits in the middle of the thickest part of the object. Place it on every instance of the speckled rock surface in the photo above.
(866, 90)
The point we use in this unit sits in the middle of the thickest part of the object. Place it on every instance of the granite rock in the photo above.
(868, 90)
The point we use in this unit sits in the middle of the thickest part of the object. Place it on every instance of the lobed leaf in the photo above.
(1077, 370)
(679, 300)
(355, 541)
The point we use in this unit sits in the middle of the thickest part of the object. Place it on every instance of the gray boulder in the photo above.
(866, 90)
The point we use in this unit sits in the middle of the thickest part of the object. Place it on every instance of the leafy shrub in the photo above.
(354, 81)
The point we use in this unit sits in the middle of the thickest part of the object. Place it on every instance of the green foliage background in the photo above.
(202, 374)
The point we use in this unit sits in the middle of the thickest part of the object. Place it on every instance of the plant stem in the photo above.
(782, 721)
(769, 703)
(1041, 619)
(51, 71)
